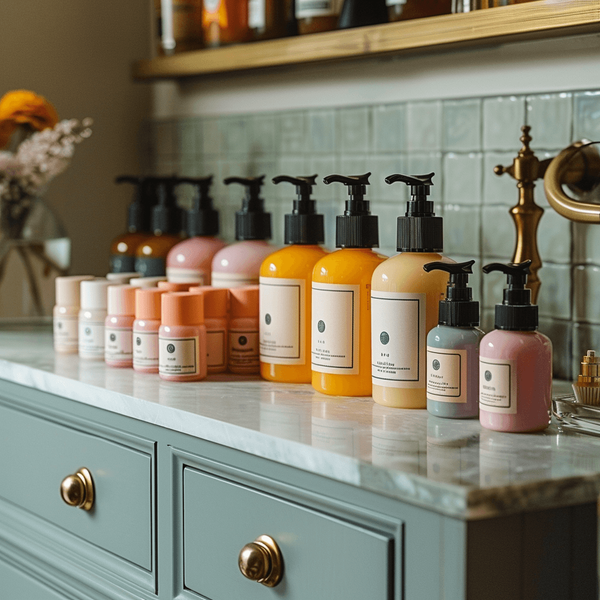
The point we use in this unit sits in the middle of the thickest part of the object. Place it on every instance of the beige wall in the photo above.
(78, 54)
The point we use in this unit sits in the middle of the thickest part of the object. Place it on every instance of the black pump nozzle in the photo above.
(251, 222)
(202, 219)
(458, 309)
(138, 211)
(304, 225)
(165, 214)
(356, 228)
(516, 313)
(419, 230)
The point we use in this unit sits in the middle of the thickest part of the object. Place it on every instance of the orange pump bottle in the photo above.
(285, 290)
(341, 301)
(151, 255)
(405, 302)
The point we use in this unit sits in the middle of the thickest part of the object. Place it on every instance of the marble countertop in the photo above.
(453, 467)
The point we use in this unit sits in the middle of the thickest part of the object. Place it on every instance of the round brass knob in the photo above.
(78, 489)
(261, 561)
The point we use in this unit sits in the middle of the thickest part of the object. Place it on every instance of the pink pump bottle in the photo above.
(515, 361)
(239, 264)
(190, 261)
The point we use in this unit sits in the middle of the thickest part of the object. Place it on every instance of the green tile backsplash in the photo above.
(461, 140)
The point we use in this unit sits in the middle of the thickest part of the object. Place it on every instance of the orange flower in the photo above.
(22, 107)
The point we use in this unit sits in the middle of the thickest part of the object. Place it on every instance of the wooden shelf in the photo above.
(534, 20)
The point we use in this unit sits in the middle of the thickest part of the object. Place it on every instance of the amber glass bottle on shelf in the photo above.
(314, 16)
(225, 22)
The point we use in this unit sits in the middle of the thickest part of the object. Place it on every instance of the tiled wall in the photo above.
(460, 140)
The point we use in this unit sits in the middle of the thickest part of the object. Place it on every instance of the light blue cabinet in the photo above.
(172, 512)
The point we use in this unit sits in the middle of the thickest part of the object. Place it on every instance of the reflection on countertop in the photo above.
(451, 466)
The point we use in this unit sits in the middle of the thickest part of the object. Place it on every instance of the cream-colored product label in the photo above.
(91, 338)
(282, 321)
(446, 375)
(66, 331)
(398, 339)
(178, 356)
(216, 348)
(145, 349)
(256, 14)
(118, 344)
(229, 280)
(498, 385)
(178, 275)
(317, 8)
(335, 328)
(243, 349)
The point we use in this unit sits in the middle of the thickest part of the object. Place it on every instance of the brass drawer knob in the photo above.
(261, 561)
(78, 489)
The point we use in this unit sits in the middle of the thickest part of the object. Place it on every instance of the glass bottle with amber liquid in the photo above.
(225, 22)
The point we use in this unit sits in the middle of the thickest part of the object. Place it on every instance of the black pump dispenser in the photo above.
(516, 313)
(304, 225)
(166, 214)
(419, 230)
(252, 222)
(138, 211)
(202, 219)
(458, 309)
(357, 227)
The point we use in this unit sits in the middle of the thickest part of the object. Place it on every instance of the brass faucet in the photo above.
(578, 166)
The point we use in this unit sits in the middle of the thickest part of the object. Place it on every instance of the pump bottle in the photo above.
(515, 361)
(190, 261)
(453, 347)
(285, 290)
(239, 264)
(405, 301)
(123, 247)
(151, 255)
(341, 303)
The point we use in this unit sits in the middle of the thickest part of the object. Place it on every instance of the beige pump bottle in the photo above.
(405, 302)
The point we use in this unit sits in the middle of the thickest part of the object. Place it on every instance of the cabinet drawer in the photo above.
(37, 455)
(324, 557)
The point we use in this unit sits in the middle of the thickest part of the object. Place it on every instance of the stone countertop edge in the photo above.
(458, 501)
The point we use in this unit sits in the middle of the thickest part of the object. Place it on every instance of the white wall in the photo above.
(78, 54)
(525, 67)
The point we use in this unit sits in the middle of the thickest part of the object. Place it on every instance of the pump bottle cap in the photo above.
(121, 300)
(67, 289)
(419, 230)
(147, 303)
(215, 301)
(202, 219)
(243, 302)
(94, 294)
(166, 217)
(458, 309)
(182, 308)
(357, 227)
(304, 225)
(251, 222)
(138, 211)
(516, 313)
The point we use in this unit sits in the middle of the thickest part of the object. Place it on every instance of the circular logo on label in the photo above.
(321, 326)
(170, 348)
(488, 376)
(436, 365)
(384, 337)
(268, 319)
(88, 331)
(113, 337)
(138, 341)
(242, 340)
